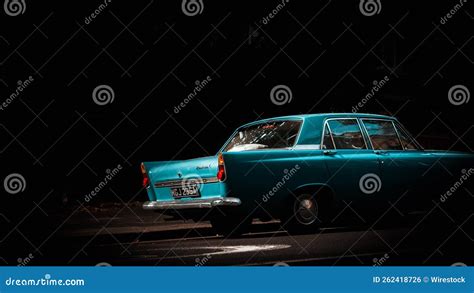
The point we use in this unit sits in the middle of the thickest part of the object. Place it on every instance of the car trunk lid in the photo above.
(174, 179)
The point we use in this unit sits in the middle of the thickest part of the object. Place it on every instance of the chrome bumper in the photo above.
(191, 203)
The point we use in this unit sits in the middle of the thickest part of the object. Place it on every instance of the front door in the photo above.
(353, 167)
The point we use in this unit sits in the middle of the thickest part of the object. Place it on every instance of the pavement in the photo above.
(126, 235)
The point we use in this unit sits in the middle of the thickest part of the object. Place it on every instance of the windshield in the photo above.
(269, 135)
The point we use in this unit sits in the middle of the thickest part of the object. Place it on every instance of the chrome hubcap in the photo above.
(306, 211)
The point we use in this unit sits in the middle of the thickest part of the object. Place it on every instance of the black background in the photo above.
(327, 52)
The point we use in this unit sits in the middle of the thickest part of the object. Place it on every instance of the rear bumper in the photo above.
(192, 203)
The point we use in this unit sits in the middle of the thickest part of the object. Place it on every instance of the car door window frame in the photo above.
(397, 126)
(326, 126)
(326, 123)
(392, 121)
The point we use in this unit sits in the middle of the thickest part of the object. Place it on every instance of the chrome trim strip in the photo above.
(398, 135)
(363, 134)
(182, 182)
(330, 134)
(408, 135)
(191, 204)
(307, 147)
(366, 133)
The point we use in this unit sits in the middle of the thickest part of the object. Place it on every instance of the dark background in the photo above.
(151, 54)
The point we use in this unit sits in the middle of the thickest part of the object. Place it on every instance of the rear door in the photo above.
(353, 166)
(402, 161)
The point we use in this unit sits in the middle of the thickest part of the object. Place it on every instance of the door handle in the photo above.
(329, 152)
(378, 152)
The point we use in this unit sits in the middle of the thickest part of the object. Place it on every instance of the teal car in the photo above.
(301, 169)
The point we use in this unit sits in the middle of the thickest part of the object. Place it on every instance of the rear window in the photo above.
(270, 135)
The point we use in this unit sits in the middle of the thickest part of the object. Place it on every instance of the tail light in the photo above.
(220, 168)
(145, 181)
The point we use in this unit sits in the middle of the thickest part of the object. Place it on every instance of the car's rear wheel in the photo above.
(308, 212)
(230, 225)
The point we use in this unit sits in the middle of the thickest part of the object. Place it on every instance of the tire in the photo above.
(308, 212)
(230, 225)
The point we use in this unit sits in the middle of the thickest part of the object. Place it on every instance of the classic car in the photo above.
(300, 169)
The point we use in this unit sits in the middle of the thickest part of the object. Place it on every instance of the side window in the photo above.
(346, 134)
(408, 142)
(382, 135)
(327, 140)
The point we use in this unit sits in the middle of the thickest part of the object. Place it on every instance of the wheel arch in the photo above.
(321, 190)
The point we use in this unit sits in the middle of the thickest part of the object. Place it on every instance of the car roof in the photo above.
(321, 116)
